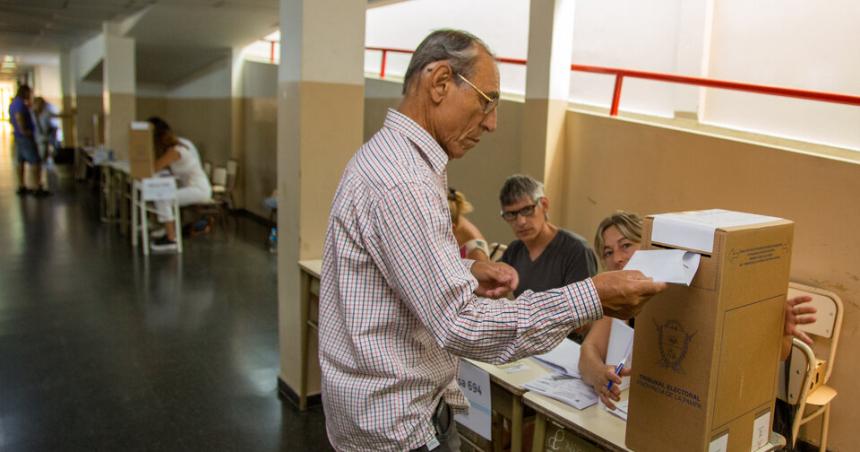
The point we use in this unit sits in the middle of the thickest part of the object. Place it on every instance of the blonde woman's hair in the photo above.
(628, 224)
(458, 205)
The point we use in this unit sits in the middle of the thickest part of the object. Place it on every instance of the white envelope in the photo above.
(671, 266)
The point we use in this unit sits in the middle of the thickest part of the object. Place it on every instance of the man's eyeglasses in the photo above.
(490, 103)
(526, 212)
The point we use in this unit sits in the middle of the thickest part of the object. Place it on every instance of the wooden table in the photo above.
(561, 427)
(310, 291)
(506, 393)
(569, 428)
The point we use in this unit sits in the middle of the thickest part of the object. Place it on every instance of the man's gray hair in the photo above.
(520, 186)
(459, 48)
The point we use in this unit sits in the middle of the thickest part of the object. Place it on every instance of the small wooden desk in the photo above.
(506, 392)
(591, 429)
(310, 291)
(569, 428)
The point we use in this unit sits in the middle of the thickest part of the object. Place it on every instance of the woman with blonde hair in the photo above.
(470, 240)
(619, 236)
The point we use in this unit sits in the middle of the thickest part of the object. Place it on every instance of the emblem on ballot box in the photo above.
(674, 343)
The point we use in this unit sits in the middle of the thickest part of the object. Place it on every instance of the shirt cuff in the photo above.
(468, 264)
(585, 302)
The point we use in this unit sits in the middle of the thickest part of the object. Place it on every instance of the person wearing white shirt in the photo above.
(182, 159)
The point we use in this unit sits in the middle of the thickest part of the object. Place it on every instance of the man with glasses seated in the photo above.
(545, 256)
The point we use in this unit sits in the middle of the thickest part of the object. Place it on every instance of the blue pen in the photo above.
(618, 370)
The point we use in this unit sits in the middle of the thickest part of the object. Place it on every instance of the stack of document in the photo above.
(564, 358)
(564, 384)
(564, 388)
(620, 348)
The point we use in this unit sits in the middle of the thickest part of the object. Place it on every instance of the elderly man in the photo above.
(398, 305)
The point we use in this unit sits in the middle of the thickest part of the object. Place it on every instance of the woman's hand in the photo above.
(599, 376)
(798, 314)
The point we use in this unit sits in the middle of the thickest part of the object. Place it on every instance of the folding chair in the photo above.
(808, 374)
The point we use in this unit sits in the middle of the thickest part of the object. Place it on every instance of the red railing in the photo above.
(620, 74)
(272, 46)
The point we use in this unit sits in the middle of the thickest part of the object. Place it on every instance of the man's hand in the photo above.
(495, 279)
(796, 314)
(623, 293)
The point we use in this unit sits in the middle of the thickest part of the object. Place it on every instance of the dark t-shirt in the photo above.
(566, 260)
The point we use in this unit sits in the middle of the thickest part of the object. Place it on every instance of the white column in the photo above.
(547, 87)
(68, 83)
(237, 124)
(118, 89)
(320, 126)
(692, 55)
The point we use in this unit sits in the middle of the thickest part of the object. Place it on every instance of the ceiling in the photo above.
(166, 65)
(173, 38)
(50, 25)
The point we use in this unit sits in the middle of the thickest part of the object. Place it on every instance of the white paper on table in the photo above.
(475, 384)
(564, 388)
(564, 357)
(620, 409)
(620, 347)
(671, 266)
(512, 368)
(695, 230)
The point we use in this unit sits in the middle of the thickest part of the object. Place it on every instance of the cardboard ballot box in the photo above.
(141, 157)
(705, 356)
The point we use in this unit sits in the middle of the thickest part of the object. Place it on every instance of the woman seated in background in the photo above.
(181, 158)
(472, 244)
(619, 236)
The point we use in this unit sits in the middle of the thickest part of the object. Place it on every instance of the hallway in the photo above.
(102, 349)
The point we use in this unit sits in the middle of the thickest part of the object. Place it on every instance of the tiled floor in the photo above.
(102, 349)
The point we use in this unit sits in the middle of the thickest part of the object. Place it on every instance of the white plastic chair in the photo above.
(808, 374)
(219, 180)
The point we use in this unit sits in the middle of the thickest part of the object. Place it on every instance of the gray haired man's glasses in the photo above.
(527, 211)
(490, 103)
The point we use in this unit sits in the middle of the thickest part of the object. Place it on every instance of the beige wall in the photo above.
(151, 106)
(86, 107)
(259, 143)
(206, 122)
(619, 164)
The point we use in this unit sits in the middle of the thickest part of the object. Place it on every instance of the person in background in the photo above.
(545, 256)
(470, 240)
(47, 126)
(26, 150)
(182, 159)
(618, 236)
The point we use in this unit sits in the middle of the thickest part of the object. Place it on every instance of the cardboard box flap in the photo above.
(141, 156)
(695, 229)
